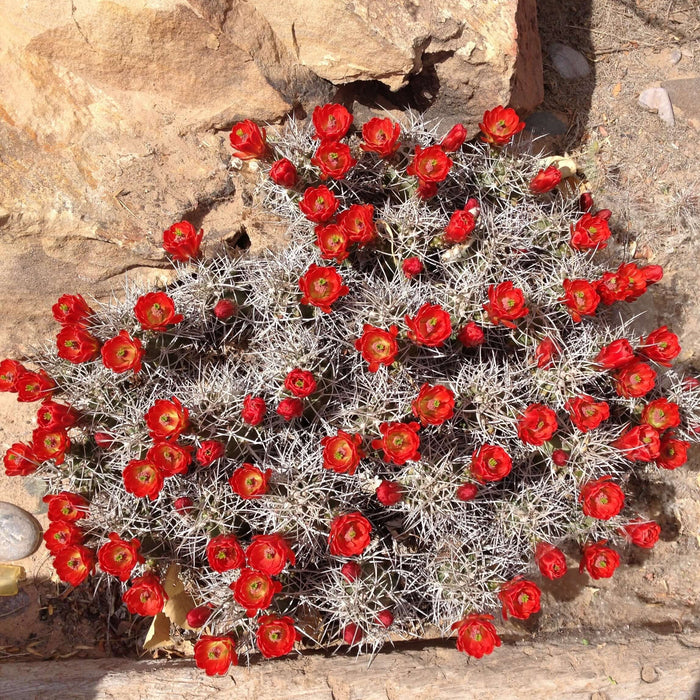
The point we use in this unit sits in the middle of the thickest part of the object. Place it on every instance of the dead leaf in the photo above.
(10, 576)
(158, 633)
(179, 601)
(616, 89)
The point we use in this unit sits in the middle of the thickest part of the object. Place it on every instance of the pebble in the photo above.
(649, 674)
(657, 100)
(568, 62)
(20, 533)
(676, 56)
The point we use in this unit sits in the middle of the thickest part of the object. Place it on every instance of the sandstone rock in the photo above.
(684, 94)
(568, 62)
(656, 99)
(20, 533)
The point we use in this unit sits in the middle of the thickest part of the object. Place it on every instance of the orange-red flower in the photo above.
(378, 346)
(318, 204)
(10, 370)
(166, 419)
(300, 382)
(283, 173)
(661, 414)
(520, 598)
(490, 463)
(506, 303)
(182, 241)
(56, 415)
(643, 533)
(342, 452)
(290, 408)
(601, 498)
(434, 404)
(143, 478)
(321, 286)
(640, 443)
(332, 122)
(74, 563)
(72, 310)
(545, 180)
(146, 596)
(430, 165)
(476, 635)
(587, 413)
(537, 424)
(50, 443)
(209, 451)
(635, 379)
(358, 223)
(155, 311)
(225, 553)
(118, 557)
(34, 386)
(452, 141)
(616, 355)
(253, 409)
(254, 590)
(462, 223)
(269, 554)
(471, 336)
(333, 160)
(66, 506)
(61, 534)
(661, 346)
(545, 352)
(499, 125)
(431, 326)
(411, 267)
(380, 136)
(123, 353)
(19, 460)
(389, 493)
(247, 140)
(580, 297)
(76, 345)
(170, 458)
(350, 534)
(275, 635)
(249, 482)
(600, 561)
(590, 231)
(400, 442)
(214, 655)
(673, 453)
(550, 560)
(332, 241)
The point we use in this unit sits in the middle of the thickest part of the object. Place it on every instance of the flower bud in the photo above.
(198, 616)
(351, 570)
(466, 492)
(385, 618)
(224, 309)
(183, 505)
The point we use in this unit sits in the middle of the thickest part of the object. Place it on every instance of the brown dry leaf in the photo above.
(158, 633)
(10, 576)
(179, 601)
(616, 89)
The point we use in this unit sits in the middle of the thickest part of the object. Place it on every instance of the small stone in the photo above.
(649, 674)
(657, 100)
(676, 56)
(20, 533)
(568, 62)
(545, 123)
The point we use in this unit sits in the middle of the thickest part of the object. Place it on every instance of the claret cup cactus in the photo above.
(428, 401)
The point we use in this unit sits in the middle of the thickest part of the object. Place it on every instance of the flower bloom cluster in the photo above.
(375, 426)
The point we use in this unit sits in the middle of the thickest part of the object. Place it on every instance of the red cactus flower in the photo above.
(358, 223)
(318, 204)
(430, 165)
(249, 482)
(333, 159)
(462, 223)
(72, 310)
(661, 414)
(61, 534)
(434, 404)
(520, 598)
(66, 506)
(350, 534)
(182, 241)
(601, 498)
(290, 408)
(642, 533)
(143, 478)
(400, 442)
(275, 635)
(254, 590)
(209, 451)
(332, 241)
(170, 458)
(580, 297)
(380, 136)
(225, 553)
(431, 326)
(34, 386)
(197, 617)
(50, 443)
(378, 347)
(300, 382)
(352, 634)
(411, 267)
(490, 463)
(550, 560)
(118, 557)
(166, 419)
(635, 379)
(661, 346)
(476, 635)
(471, 336)
(545, 180)
(618, 354)
(76, 345)
(74, 564)
(19, 460)
(248, 140)
(146, 596)
(214, 655)
(499, 125)
(350, 571)
(389, 493)
(560, 457)
(467, 492)
(589, 232)
(600, 561)
(284, 173)
(269, 554)
(341, 452)
(332, 122)
(537, 424)
(586, 413)
(155, 311)
(10, 370)
(506, 303)
(673, 453)
(640, 443)
(123, 353)
(452, 141)
(321, 287)
(545, 353)
(253, 409)
(56, 415)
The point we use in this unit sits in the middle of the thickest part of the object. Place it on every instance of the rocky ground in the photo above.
(639, 165)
